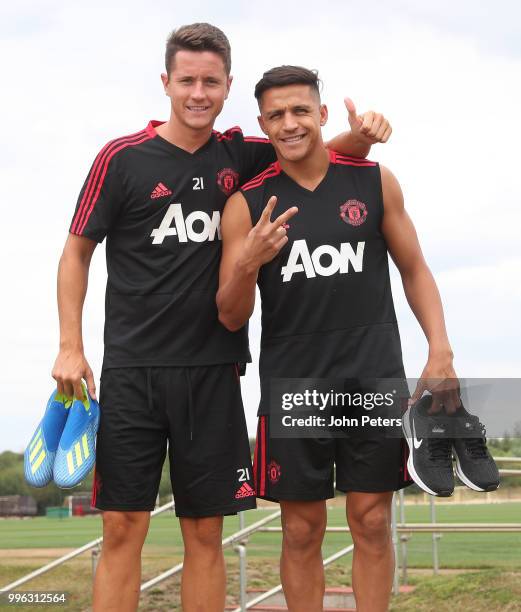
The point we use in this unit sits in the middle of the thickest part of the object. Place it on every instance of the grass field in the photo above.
(26, 545)
(456, 550)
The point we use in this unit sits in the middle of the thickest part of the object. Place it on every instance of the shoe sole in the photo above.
(410, 463)
(466, 481)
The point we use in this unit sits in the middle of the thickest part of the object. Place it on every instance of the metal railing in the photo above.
(428, 527)
(238, 539)
(235, 538)
(74, 553)
(263, 596)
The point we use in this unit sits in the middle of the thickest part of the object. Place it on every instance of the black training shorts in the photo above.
(194, 412)
(303, 469)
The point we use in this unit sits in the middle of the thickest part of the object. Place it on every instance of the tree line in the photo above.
(12, 481)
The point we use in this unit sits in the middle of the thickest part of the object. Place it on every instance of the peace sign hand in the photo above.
(267, 238)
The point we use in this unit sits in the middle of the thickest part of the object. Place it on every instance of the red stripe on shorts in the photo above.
(94, 490)
(263, 456)
(255, 461)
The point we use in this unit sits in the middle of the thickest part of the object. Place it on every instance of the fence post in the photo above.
(241, 550)
(403, 537)
(394, 531)
(95, 558)
(435, 537)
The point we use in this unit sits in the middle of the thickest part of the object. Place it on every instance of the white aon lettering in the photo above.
(184, 228)
(300, 260)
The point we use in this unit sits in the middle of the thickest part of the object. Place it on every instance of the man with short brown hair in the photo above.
(170, 371)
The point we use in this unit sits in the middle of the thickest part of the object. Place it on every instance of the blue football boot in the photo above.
(77, 448)
(40, 453)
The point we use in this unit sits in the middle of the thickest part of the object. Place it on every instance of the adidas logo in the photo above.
(36, 457)
(244, 491)
(160, 191)
(78, 454)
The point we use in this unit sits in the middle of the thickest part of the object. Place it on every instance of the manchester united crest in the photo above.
(353, 212)
(273, 472)
(228, 180)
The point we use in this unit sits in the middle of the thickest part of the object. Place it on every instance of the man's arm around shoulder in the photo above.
(366, 130)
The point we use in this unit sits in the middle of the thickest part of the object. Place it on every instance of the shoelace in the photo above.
(439, 448)
(477, 447)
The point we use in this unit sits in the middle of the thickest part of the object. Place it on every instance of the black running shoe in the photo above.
(430, 448)
(475, 466)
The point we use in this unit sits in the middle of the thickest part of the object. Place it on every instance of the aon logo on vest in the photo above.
(197, 227)
(325, 260)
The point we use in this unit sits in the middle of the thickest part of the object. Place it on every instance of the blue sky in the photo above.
(447, 74)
